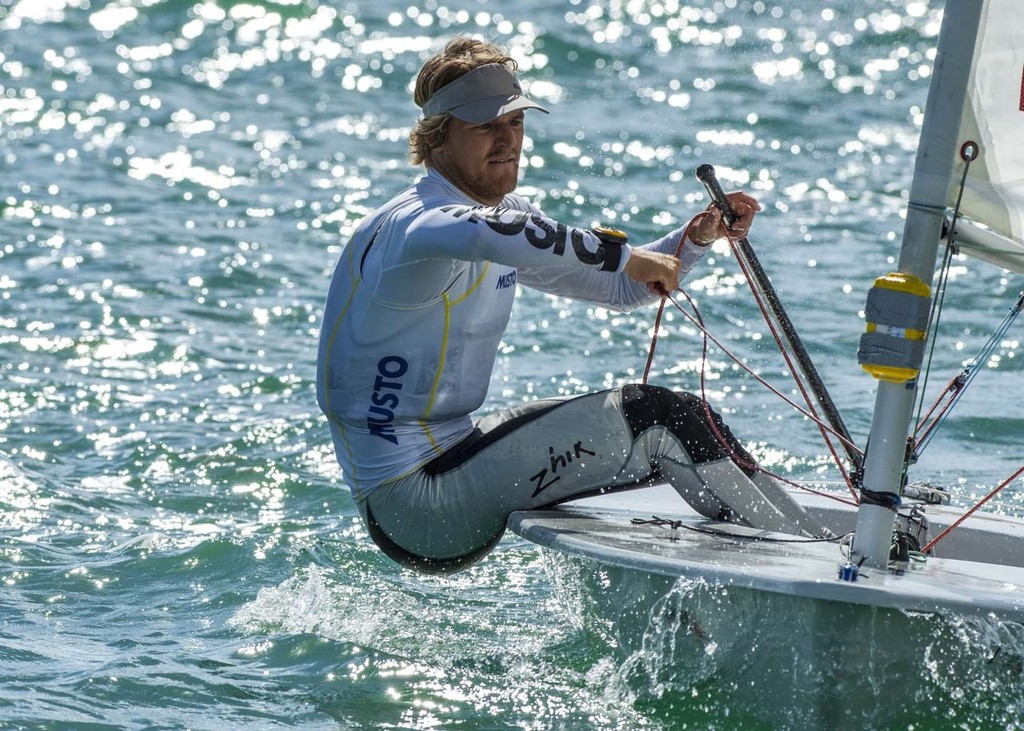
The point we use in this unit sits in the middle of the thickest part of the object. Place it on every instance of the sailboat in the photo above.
(646, 572)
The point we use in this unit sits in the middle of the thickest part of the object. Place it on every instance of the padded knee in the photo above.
(687, 417)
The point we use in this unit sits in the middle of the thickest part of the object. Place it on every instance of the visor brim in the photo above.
(486, 110)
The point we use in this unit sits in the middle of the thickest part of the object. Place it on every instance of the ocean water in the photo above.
(177, 179)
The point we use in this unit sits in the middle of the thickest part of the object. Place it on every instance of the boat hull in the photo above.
(702, 652)
(721, 619)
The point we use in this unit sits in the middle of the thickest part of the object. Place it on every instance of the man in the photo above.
(416, 310)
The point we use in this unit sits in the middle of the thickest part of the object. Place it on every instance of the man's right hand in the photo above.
(708, 226)
(660, 272)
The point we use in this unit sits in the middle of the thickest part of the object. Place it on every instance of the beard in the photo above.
(488, 185)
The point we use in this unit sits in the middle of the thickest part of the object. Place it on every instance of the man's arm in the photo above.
(661, 271)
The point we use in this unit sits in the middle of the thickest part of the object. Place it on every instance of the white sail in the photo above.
(993, 118)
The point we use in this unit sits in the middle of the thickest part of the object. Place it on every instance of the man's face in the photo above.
(482, 159)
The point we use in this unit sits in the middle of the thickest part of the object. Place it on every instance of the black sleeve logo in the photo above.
(542, 233)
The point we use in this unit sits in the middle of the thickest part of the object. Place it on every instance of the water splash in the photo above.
(737, 657)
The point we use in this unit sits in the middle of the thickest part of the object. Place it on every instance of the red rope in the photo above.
(708, 415)
(736, 359)
(971, 512)
(789, 363)
(811, 414)
(661, 308)
(923, 430)
(697, 320)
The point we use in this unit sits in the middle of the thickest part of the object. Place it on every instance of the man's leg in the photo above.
(697, 453)
(547, 452)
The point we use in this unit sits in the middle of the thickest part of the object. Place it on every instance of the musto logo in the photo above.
(381, 418)
(542, 233)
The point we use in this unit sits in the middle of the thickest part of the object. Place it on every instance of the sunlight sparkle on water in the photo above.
(112, 17)
(183, 177)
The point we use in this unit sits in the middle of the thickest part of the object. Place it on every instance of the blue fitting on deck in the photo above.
(848, 571)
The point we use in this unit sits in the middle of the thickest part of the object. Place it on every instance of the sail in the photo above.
(993, 118)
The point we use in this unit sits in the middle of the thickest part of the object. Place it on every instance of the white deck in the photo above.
(601, 529)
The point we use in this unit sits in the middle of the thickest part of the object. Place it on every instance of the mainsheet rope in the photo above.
(923, 433)
(793, 370)
(955, 388)
(810, 413)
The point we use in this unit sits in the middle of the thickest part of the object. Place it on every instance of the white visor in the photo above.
(480, 95)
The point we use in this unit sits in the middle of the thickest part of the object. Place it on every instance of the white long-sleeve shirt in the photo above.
(418, 305)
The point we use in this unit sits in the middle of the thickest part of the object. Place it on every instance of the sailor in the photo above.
(415, 313)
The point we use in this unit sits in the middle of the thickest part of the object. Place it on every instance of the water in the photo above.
(177, 180)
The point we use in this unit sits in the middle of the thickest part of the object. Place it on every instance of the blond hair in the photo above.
(459, 57)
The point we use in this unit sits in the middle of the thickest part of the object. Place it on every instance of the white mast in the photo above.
(884, 463)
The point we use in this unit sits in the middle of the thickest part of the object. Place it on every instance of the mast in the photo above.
(892, 349)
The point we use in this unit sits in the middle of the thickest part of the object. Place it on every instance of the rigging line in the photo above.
(697, 320)
(971, 512)
(954, 383)
(854, 453)
(774, 325)
(955, 390)
(706, 174)
(699, 323)
(661, 309)
(968, 152)
(709, 416)
(820, 493)
(946, 399)
(935, 317)
(654, 520)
